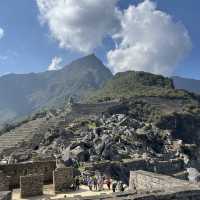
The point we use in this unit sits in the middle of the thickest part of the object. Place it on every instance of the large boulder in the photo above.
(193, 175)
(99, 148)
(52, 135)
(66, 154)
(110, 152)
(80, 154)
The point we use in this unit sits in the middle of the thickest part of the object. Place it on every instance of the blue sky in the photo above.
(28, 47)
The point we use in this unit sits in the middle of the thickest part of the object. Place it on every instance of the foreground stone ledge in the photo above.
(175, 195)
(147, 181)
(6, 195)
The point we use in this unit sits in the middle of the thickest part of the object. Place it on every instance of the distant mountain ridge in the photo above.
(22, 94)
(135, 84)
(188, 84)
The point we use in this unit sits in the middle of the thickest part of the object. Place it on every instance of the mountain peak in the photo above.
(91, 57)
(32, 92)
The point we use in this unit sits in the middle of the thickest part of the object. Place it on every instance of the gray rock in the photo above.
(80, 154)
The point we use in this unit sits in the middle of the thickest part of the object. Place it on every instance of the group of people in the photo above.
(97, 183)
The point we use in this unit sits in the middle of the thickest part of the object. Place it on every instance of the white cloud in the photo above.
(3, 58)
(149, 40)
(80, 25)
(1, 32)
(55, 64)
(4, 73)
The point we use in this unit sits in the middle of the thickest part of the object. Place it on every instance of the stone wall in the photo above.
(14, 171)
(62, 179)
(170, 195)
(97, 108)
(31, 185)
(5, 195)
(166, 167)
(4, 182)
(147, 181)
(122, 169)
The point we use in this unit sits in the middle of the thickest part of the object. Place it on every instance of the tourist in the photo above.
(90, 183)
(73, 186)
(114, 186)
(121, 187)
(85, 179)
(77, 183)
(95, 183)
(108, 183)
(100, 183)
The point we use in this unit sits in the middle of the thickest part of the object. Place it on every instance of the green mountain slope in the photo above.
(134, 84)
(21, 95)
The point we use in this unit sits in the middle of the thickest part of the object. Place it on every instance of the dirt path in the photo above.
(48, 193)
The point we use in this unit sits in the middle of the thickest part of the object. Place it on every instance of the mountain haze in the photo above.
(191, 85)
(21, 94)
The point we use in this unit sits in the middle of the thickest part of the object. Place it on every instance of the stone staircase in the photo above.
(20, 135)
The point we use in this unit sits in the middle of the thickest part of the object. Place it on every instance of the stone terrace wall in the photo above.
(5, 195)
(123, 168)
(147, 181)
(4, 182)
(62, 179)
(23, 169)
(31, 185)
(97, 108)
(166, 167)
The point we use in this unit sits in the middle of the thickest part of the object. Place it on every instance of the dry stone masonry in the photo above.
(22, 169)
(151, 182)
(4, 182)
(62, 179)
(31, 185)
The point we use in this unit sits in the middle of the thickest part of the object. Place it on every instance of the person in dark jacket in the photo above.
(77, 183)
(114, 186)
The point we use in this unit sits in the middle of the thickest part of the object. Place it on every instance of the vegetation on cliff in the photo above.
(137, 84)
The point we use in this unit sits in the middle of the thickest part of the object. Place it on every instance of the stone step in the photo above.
(25, 130)
(14, 137)
(13, 141)
(7, 146)
(21, 134)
